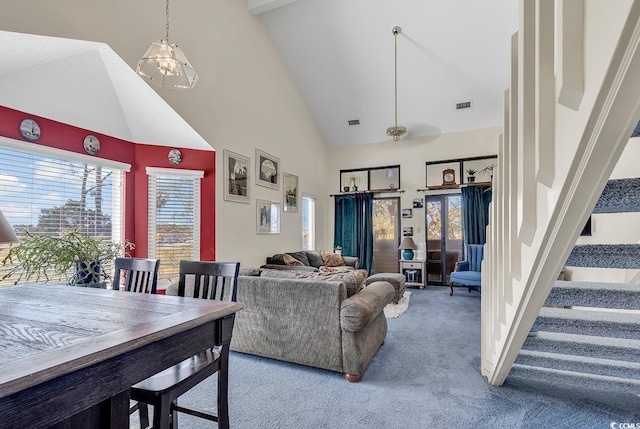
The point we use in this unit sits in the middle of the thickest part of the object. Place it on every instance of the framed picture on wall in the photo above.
(267, 217)
(291, 192)
(407, 231)
(237, 169)
(407, 213)
(267, 170)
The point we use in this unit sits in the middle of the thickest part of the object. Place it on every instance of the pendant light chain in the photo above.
(167, 24)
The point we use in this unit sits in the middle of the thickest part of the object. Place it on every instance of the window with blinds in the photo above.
(308, 222)
(49, 191)
(174, 217)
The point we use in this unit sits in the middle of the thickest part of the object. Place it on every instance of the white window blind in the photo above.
(174, 217)
(308, 222)
(46, 194)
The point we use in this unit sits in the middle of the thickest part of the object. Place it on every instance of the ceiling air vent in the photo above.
(463, 105)
(354, 122)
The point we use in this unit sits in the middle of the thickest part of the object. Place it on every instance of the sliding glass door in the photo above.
(386, 235)
(443, 221)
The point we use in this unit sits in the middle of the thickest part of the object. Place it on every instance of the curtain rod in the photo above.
(375, 191)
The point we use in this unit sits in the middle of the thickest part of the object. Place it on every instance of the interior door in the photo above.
(443, 222)
(386, 235)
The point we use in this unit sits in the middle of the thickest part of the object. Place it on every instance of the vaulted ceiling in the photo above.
(340, 53)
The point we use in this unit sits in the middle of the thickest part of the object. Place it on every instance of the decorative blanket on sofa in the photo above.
(353, 279)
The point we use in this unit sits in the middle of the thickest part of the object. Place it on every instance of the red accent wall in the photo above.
(70, 138)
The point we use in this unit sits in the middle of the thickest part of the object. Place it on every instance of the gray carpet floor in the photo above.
(425, 376)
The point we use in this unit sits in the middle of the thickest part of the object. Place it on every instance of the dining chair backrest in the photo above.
(209, 280)
(140, 275)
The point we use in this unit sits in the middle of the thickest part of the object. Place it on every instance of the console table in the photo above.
(414, 271)
(68, 354)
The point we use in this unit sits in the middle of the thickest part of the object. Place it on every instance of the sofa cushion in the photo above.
(249, 272)
(290, 260)
(300, 256)
(315, 258)
(332, 259)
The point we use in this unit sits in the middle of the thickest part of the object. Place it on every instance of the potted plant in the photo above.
(42, 258)
(488, 170)
(354, 180)
(471, 175)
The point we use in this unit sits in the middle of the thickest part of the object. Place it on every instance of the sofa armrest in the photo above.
(351, 261)
(359, 310)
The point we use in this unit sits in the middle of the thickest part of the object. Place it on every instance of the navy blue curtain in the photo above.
(353, 226)
(475, 213)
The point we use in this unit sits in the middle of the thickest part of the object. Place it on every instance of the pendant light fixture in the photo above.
(397, 131)
(165, 64)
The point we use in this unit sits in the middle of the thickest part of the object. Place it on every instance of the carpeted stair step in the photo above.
(578, 379)
(619, 196)
(584, 345)
(600, 295)
(566, 362)
(583, 322)
(625, 256)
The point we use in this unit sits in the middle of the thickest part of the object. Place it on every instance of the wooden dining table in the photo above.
(68, 354)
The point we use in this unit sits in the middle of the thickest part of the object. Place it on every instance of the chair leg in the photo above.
(451, 286)
(143, 415)
(173, 418)
(162, 413)
(223, 389)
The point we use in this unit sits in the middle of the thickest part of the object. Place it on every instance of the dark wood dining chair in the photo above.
(210, 280)
(140, 275)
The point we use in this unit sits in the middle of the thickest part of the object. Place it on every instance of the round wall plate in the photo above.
(175, 156)
(30, 130)
(91, 144)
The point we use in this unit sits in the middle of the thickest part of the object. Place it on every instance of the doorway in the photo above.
(443, 221)
(386, 235)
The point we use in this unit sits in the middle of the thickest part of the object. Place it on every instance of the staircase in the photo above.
(568, 117)
(573, 340)
(585, 347)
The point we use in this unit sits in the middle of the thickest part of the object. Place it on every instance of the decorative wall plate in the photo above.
(91, 144)
(175, 156)
(30, 130)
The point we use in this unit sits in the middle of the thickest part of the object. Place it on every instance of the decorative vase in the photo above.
(346, 189)
(88, 275)
(471, 179)
(407, 254)
(354, 188)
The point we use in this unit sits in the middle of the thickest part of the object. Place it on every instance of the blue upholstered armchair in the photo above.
(468, 272)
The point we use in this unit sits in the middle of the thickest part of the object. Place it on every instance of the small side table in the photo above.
(414, 271)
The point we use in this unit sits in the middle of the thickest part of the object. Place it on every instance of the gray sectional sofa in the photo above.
(316, 319)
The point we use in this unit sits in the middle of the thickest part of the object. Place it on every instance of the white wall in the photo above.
(412, 155)
(244, 99)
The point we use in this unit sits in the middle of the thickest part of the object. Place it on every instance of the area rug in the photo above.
(391, 311)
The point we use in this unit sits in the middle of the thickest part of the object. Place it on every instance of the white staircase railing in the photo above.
(573, 103)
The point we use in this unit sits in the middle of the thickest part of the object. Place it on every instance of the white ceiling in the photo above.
(340, 53)
(60, 79)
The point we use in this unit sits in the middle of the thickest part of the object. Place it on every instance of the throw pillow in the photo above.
(332, 259)
(300, 256)
(315, 258)
(276, 259)
(290, 260)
